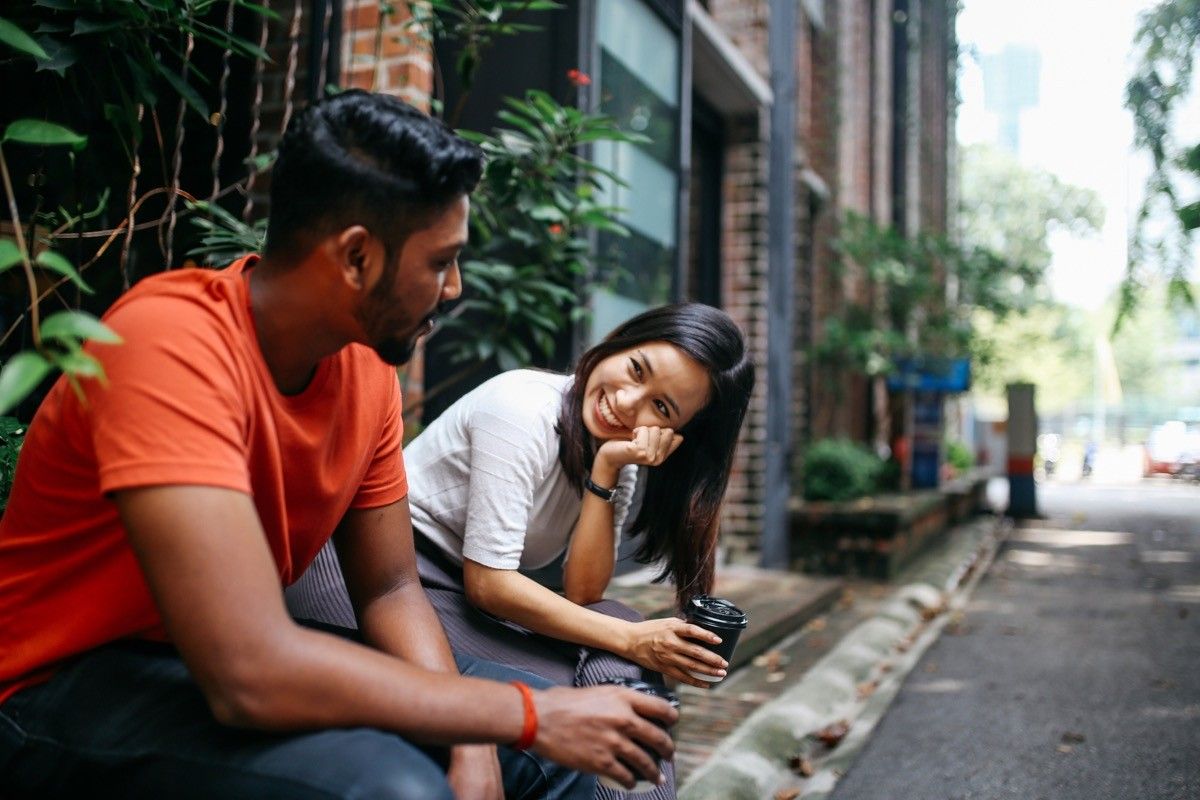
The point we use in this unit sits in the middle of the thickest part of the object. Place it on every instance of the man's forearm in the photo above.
(402, 623)
(306, 679)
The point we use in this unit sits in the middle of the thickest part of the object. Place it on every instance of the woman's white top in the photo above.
(484, 478)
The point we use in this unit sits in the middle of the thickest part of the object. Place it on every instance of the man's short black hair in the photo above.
(369, 159)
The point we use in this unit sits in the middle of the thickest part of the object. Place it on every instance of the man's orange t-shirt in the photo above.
(189, 400)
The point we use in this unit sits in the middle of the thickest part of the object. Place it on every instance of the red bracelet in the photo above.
(529, 728)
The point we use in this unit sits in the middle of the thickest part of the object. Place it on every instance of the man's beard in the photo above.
(395, 350)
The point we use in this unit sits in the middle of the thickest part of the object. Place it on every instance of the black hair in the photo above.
(680, 510)
(364, 158)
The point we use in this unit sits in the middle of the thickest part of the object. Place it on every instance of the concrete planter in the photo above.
(876, 536)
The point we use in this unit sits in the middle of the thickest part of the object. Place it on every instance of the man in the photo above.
(145, 650)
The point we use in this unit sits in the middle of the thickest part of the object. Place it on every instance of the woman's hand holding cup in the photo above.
(669, 646)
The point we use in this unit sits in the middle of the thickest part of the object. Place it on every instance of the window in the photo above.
(637, 75)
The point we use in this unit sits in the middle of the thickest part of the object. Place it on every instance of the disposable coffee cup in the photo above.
(660, 692)
(721, 617)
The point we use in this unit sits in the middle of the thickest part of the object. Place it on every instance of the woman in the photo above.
(534, 464)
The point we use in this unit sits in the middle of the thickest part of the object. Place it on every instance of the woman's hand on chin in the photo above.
(669, 646)
(649, 446)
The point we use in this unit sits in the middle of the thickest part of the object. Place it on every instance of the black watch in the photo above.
(607, 495)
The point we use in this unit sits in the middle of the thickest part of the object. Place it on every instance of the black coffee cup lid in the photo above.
(717, 611)
(661, 692)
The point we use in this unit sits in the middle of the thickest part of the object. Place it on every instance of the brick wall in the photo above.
(744, 275)
(381, 55)
(744, 289)
(377, 53)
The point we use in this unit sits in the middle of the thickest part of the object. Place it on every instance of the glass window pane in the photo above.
(638, 85)
(634, 34)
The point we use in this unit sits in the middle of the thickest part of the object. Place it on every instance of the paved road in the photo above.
(1075, 671)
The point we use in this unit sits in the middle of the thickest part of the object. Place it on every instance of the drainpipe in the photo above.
(781, 48)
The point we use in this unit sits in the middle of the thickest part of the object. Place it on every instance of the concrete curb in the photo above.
(854, 682)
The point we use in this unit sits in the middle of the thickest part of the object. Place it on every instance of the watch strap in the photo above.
(607, 495)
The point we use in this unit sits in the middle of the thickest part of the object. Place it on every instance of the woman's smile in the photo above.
(607, 416)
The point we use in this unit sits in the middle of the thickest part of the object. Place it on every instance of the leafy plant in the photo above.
(928, 290)
(57, 340)
(116, 61)
(839, 470)
(225, 238)
(959, 456)
(910, 316)
(12, 436)
(535, 210)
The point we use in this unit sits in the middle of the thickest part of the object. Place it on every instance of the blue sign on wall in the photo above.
(949, 375)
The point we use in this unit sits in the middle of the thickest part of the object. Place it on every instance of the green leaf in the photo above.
(78, 364)
(77, 325)
(38, 131)
(19, 40)
(61, 55)
(1189, 216)
(185, 90)
(85, 26)
(10, 254)
(20, 376)
(55, 262)
(260, 10)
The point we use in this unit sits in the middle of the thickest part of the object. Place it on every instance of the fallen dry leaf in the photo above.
(931, 612)
(866, 689)
(775, 677)
(1065, 748)
(932, 666)
(763, 659)
(1071, 737)
(801, 766)
(787, 794)
(832, 735)
(814, 625)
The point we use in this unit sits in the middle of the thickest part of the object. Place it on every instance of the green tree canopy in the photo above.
(1011, 210)
(1050, 346)
(1165, 46)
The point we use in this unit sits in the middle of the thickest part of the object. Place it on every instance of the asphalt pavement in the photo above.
(1074, 671)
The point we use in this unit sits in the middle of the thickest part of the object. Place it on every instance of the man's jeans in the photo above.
(128, 721)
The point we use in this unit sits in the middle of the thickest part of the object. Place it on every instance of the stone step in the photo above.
(777, 603)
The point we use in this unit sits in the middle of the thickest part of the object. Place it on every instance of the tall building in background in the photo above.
(1011, 81)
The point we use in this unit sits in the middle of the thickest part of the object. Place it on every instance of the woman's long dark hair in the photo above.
(681, 507)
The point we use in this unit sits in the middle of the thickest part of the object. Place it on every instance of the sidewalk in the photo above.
(778, 604)
(816, 677)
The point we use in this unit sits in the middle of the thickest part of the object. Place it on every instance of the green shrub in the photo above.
(839, 469)
(12, 434)
(959, 456)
